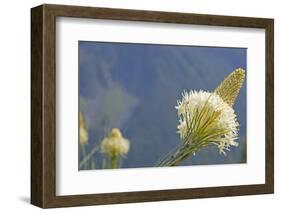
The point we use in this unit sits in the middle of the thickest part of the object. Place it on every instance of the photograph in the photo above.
(140, 105)
(160, 105)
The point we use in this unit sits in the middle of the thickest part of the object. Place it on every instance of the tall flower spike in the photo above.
(229, 88)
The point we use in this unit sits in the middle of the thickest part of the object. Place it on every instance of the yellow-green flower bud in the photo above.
(230, 87)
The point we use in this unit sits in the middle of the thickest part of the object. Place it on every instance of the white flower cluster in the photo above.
(114, 144)
(206, 118)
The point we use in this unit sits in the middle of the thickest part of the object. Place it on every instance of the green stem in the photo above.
(114, 161)
(179, 155)
(83, 154)
(86, 158)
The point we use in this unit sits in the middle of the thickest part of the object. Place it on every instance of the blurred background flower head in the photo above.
(83, 133)
(115, 144)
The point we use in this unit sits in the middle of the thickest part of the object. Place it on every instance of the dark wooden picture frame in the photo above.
(43, 105)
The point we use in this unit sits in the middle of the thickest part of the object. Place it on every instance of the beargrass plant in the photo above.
(87, 160)
(83, 138)
(207, 118)
(115, 147)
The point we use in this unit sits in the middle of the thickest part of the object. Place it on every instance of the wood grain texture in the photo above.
(269, 118)
(43, 105)
(36, 106)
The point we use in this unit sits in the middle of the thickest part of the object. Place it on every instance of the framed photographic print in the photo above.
(135, 106)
